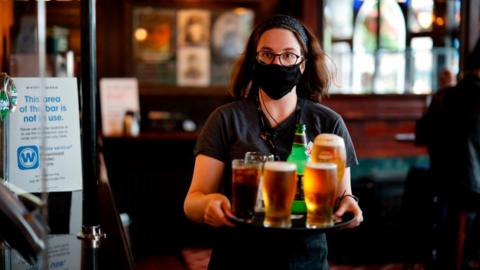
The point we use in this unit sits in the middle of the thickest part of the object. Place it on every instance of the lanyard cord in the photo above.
(269, 134)
(266, 109)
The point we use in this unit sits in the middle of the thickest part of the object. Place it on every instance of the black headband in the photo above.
(284, 21)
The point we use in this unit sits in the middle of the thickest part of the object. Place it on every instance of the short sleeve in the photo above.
(341, 130)
(213, 137)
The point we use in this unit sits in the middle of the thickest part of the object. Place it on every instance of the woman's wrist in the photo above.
(355, 198)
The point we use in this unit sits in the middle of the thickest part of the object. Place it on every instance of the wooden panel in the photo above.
(113, 39)
(66, 14)
(384, 107)
(377, 139)
(375, 120)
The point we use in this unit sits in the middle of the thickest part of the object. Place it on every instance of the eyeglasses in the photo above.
(285, 58)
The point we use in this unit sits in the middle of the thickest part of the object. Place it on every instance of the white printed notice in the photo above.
(117, 96)
(64, 253)
(58, 112)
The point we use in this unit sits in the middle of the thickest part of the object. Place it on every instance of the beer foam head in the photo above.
(329, 139)
(322, 165)
(280, 166)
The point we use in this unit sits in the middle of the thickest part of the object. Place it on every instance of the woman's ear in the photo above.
(302, 66)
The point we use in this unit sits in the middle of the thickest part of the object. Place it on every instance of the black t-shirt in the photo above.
(235, 128)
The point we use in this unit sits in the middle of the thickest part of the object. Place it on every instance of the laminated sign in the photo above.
(52, 114)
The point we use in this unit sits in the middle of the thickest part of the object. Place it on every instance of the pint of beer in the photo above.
(245, 181)
(279, 187)
(319, 184)
(331, 148)
(259, 157)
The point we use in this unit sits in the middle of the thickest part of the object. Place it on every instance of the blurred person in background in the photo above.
(450, 129)
(446, 78)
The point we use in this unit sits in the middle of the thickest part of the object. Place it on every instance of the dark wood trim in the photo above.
(313, 17)
(469, 28)
(159, 135)
(174, 90)
(6, 22)
(388, 107)
(195, 3)
(374, 121)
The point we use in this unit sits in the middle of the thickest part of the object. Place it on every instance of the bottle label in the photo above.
(299, 196)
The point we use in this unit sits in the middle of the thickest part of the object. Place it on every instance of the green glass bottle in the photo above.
(299, 156)
(4, 104)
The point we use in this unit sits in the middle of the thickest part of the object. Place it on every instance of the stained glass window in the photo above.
(379, 53)
(395, 46)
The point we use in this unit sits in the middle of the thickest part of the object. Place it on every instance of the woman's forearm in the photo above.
(194, 206)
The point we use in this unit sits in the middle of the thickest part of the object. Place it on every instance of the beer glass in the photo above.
(331, 148)
(245, 180)
(262, 158)
(319, 183)
(279, 186)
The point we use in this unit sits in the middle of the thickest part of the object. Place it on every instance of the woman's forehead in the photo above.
(279, 39)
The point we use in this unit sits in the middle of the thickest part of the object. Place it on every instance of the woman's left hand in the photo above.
(348, 204)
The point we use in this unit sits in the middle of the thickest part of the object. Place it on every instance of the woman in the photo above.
(279, 80)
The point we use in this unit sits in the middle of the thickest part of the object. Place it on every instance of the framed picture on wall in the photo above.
(193, 66)
(230, 31)
(154, 47)
(193, 27)
(183, 50)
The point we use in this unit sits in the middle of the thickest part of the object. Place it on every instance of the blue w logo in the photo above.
(27, 157)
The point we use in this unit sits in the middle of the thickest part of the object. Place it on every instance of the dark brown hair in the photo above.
(316, 78)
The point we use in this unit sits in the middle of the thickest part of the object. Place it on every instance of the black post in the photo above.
(91, 234)
(89, 113)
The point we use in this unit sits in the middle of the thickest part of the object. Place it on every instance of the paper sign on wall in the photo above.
(117, 96)
(57, 113)
(64, 252)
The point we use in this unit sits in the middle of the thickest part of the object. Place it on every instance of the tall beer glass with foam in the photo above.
(331, 148)
(279, 187)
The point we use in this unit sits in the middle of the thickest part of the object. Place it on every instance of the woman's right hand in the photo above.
(217, 208)
(203, 203)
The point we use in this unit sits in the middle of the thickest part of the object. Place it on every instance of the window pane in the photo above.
(392, 27)
(391, 73)
(343, 24)
(388, 59)
(428, 62)
(453, 13)
(342, 59)
(420, 15)
(422, 61)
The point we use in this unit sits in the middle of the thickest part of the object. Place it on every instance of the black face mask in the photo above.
(276, 80)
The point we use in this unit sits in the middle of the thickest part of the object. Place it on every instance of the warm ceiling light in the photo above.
(240, 11)
(141, 34)
(439, 21)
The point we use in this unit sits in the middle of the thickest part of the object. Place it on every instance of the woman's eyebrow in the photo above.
(289, 49)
